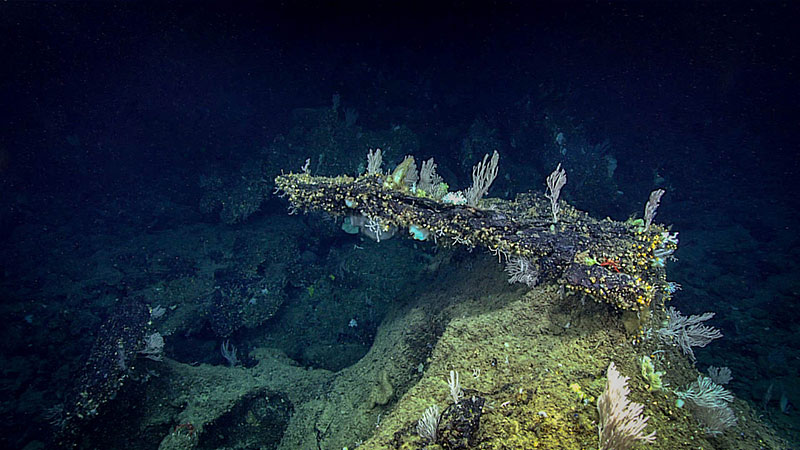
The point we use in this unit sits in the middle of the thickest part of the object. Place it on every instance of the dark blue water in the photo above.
(139, 141)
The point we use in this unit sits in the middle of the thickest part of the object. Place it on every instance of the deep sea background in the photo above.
(124, 119)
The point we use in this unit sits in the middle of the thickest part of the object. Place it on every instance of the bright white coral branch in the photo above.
(428, 425)
(688, 332)
(483, 174)
(374, 161)
(651, 207)
(455, 387)
(556, 181)
(621, 421)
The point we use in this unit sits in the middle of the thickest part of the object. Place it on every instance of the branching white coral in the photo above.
(483, 174)
(707, 394)
(455, 387)
(522, 270)
(621, 421)
(709, 403)
(428, 425)
(688, 332)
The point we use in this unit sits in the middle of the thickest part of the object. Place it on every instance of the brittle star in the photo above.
(612, 263)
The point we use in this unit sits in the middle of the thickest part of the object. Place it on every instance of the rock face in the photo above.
(460, 423)
(111, 361)
(612, 261)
